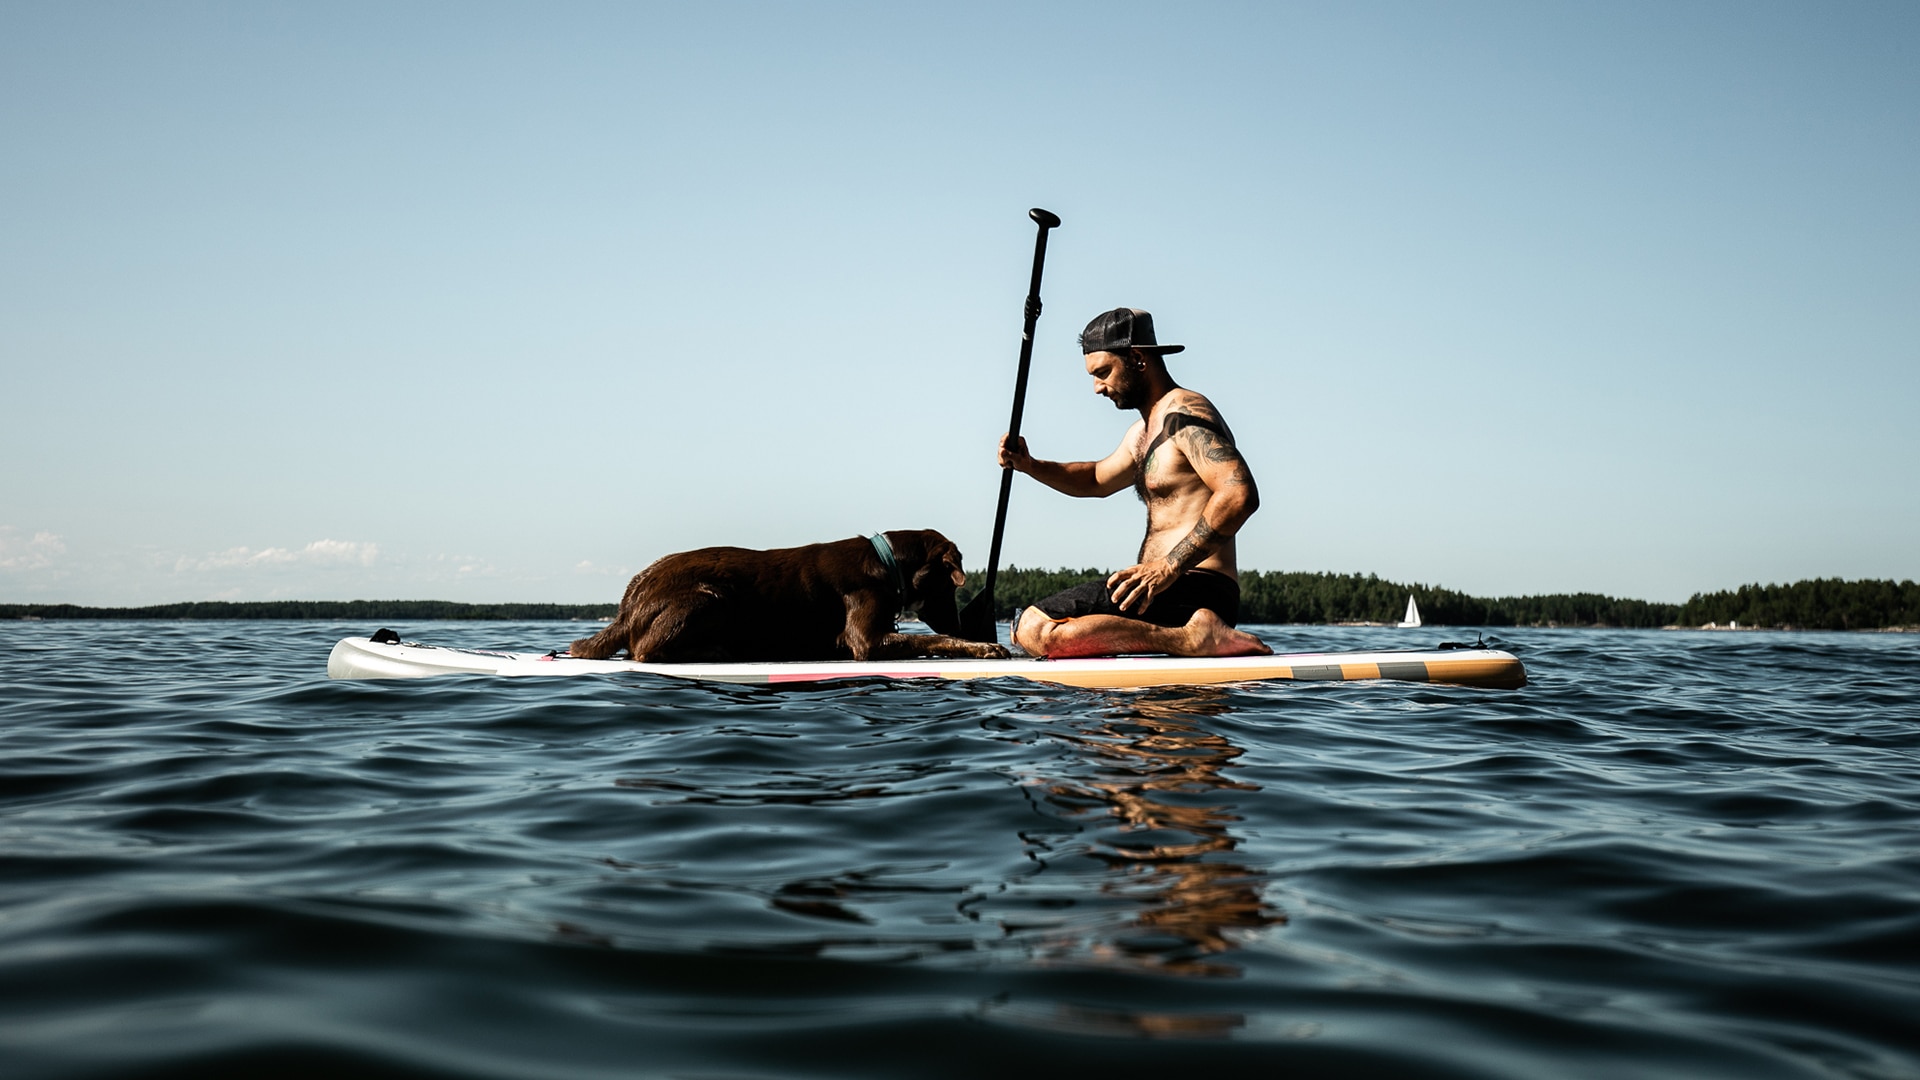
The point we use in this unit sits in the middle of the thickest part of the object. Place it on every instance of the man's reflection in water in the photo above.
(1149, 805)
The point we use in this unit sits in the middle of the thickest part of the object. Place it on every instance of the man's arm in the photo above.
(1209, 448)
(1082, 479)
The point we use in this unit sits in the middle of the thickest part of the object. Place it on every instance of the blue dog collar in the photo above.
(884, 549)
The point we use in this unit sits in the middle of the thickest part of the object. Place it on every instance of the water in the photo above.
(1675, 854)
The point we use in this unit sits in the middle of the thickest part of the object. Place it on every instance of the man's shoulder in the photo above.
(1192, 416)
(1191, 409)
(1191, 401)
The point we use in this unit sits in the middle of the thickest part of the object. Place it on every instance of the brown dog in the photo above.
(832, 601)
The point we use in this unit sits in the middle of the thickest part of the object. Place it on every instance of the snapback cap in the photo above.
(1122, 329)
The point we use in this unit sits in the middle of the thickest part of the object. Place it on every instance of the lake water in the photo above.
(1674, 854)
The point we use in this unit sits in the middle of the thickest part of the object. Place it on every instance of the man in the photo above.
(1183, 595)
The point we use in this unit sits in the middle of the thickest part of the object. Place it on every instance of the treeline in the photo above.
(1820, 604)
(1295, 597)
(340, 610)
(1281, 597)
(1265, 597)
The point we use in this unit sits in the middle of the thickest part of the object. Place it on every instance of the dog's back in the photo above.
(729, 603)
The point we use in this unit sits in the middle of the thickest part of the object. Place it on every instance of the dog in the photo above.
(833, 601)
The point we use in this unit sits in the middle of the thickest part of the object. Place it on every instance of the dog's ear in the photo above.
(939, 556)
(941, 573)
(935, 581)
(945, 554)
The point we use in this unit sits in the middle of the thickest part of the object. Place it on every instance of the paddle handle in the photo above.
(1047, 222)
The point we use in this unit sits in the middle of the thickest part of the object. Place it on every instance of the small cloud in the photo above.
(593, 569)
(23, 553)
(462, 566)
(341, 551)
(318, 553)
(221, 560)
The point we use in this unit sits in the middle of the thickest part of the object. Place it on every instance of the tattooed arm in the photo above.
(1208, 445)
(1193, 547)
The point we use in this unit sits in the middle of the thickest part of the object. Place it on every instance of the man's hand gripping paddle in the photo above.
(976, 619)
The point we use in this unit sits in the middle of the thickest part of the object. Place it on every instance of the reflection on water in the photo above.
(1151, 808)
(1073, 1018)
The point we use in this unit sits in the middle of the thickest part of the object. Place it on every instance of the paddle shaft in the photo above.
(1047, 222)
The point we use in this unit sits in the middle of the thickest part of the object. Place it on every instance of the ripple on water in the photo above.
(1673, 854)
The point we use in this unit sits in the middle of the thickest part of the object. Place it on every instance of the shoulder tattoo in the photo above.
(1203, 436)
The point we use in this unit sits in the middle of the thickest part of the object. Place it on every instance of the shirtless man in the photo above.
(1183, 596)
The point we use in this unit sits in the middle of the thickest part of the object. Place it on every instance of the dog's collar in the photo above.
(884, 549)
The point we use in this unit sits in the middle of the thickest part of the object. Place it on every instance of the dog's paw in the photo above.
(992, 652)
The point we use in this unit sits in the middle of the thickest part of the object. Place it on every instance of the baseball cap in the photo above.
(1122, 329)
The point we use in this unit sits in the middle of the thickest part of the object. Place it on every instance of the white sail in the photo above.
(1413, 613)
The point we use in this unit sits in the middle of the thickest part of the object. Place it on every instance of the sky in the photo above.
(500, 302)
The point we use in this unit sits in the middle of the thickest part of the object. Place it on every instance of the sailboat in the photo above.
(1413, 614)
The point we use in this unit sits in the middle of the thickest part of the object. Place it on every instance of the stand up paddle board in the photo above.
(361, 658)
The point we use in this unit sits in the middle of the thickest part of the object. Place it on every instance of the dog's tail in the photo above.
(603, 644)
(618, 633)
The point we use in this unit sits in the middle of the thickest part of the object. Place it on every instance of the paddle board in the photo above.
(360, 658)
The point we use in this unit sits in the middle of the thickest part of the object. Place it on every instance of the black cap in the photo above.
(1122, 329)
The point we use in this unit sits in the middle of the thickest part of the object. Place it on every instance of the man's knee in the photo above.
(1030, 629)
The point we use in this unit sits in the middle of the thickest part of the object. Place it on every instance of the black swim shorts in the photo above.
(1196, 589)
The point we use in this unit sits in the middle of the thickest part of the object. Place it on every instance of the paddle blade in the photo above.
(976, 619)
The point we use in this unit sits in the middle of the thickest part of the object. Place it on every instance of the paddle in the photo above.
(976, 619)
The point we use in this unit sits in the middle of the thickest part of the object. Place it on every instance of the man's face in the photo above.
(1117, 377)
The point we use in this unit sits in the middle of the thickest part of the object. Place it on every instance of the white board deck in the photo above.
(359, 658)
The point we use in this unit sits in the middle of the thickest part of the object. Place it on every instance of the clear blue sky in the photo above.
(501, 302)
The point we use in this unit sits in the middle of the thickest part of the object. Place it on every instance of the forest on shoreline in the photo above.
(1297, 597)
(1265, 597)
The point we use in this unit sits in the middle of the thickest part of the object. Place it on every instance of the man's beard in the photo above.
(1129, 391)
